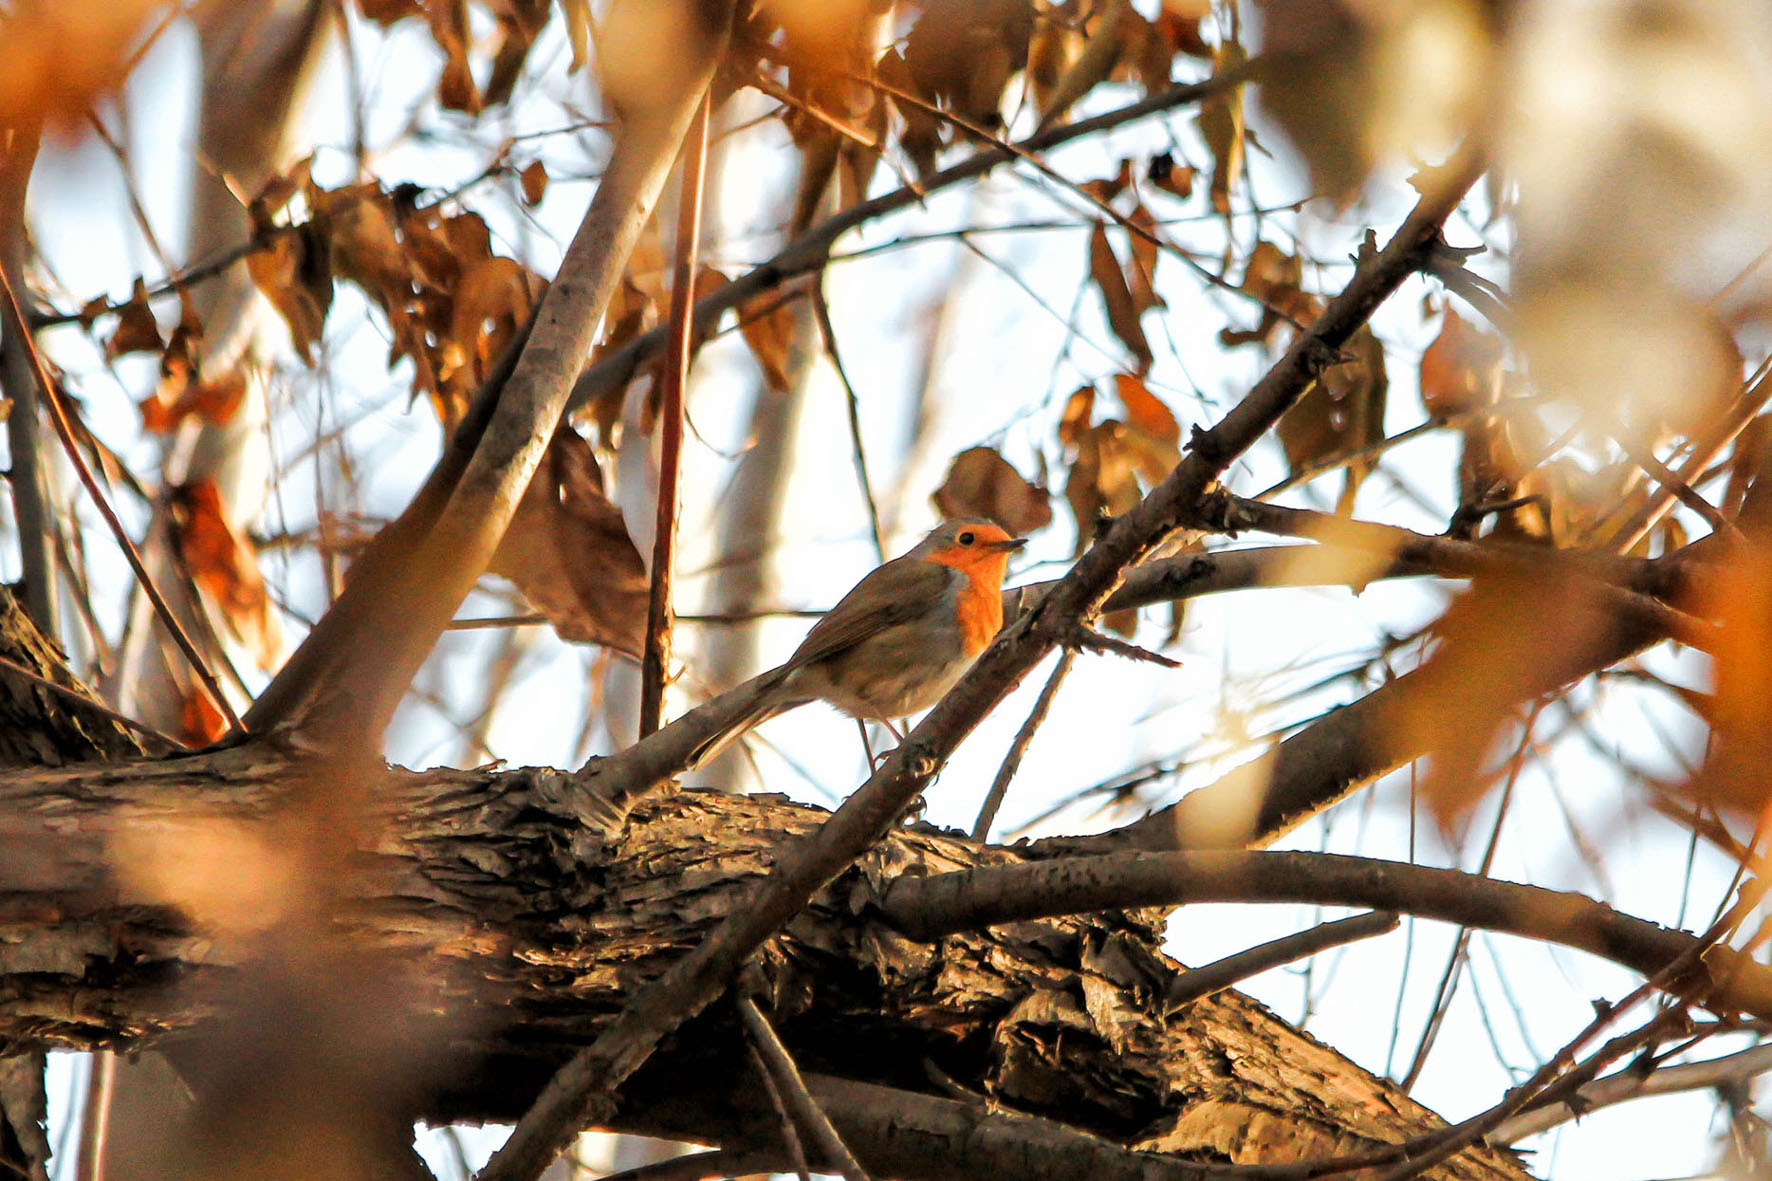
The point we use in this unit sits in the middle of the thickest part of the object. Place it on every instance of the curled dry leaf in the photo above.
(767, 323)
(1275, 278)
(1141, 265)
(534, 179)
(1461, 369)
(225, 567)
(1342, 412)
(1221, 126)
(1175, 179)
(1109, 277)
(568, 551)
(981, 483)
(1079, 410)
(136, 331)
(294, 271)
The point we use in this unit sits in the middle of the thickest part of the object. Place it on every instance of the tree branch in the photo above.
(929, 907)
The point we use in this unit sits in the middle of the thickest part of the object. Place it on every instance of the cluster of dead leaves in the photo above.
(451, 303)
(1342, 414)
(1128, 285)
(519, 22)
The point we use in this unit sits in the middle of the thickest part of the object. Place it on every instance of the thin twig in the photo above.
(790, 1132)
(15, 324)
(1199, 983)
(993, 800)
(806, 1113)
(87, 703)
(656, 659)
(821, 312)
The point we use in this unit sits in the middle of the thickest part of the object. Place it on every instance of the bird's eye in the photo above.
(966, 538)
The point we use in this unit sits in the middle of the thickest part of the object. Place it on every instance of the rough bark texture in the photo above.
(529, 931)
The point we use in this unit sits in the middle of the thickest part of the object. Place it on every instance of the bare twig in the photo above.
(802, 1107)
(656, 659)
(1198, 983)
(821, 311)
(1635, 1083)
(993, 800)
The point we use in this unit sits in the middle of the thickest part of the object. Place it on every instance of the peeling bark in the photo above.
(528, 931)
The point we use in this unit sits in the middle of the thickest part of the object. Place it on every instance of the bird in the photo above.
(897, 641)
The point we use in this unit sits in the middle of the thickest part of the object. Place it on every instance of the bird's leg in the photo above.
(873, 759)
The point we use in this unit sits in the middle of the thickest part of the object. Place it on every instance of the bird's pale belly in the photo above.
(886, 677)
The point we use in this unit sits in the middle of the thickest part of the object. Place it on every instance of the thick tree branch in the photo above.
(530, 934)
(967, 900)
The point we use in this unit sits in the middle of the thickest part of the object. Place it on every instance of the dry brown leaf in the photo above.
(576, 15)
(294, 272)
(1178, 23)
(1734, 775)
(386, 12)
(519, 22)
(1103, 479)
(214, 402)
(1109, 278)
(963, 53)
(767, 322)
(981, 483)
(1460, 370)
(568, 551)
(200, 722)
(1141, 265)
(226, 568)
(1102, 48)
(365, 247)
(921, 133)
(1221, 126)
(136, 331)
(1051, 54)
(492, 301)
(534, 179)
(1079, 408)
(1343, 411)
(1145, 410)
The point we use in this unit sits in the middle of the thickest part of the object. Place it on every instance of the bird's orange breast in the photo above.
(979, 609)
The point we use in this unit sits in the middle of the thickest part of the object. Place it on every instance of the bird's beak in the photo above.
(1007, 544)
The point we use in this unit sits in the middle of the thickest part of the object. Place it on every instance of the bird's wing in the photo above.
(895, 593)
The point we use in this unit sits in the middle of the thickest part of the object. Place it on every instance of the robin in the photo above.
(899, 639)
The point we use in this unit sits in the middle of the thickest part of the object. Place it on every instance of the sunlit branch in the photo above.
(928, 907)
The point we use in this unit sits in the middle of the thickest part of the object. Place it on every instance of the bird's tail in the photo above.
(752, 703)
